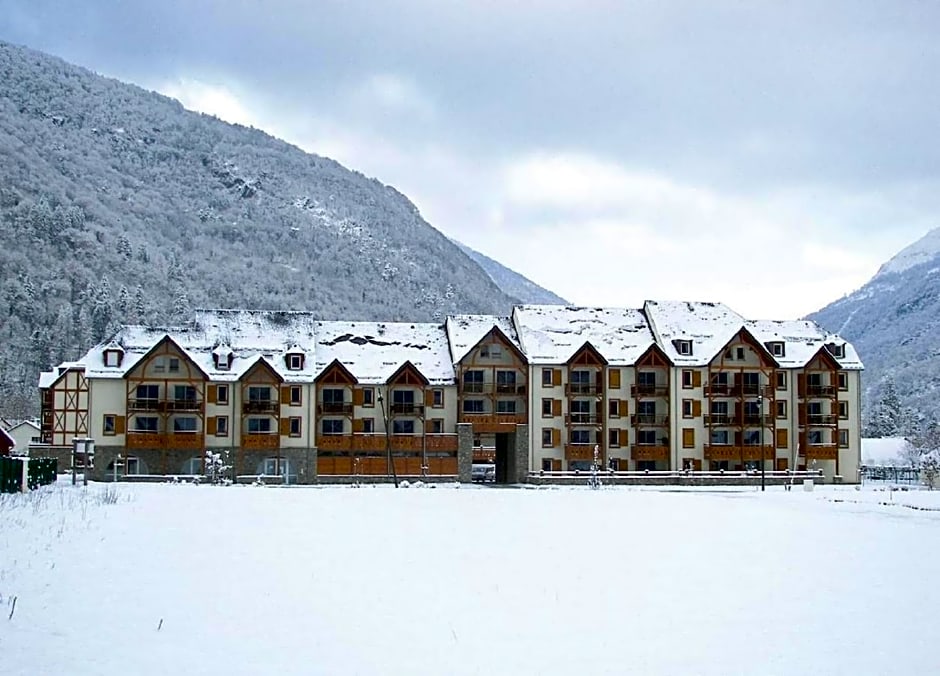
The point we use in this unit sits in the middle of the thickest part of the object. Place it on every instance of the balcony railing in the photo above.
(649, 391)
(649, 452)
(172, 440)
(513, 389)
(144, 404)
(746, 452)
(820, 451)
(582, 419)
(261, 406)
(820, 391)
(335, 408)
(337, 442)
(757, 420)
(416, 410)
(579, 451)
(649, 420)
(822, 420)
(183, 405)
(475, 388)
(582, 389)
(510, 389)
(260, 440)
(492, 422)
(721, 419)
(738, 390)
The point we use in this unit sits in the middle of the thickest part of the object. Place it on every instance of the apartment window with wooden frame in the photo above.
(221, 426)
(688, 437)
(295, 362)
(844, 410)
(843, 438)
(613, 408)
(613, 379)
(368, 397)
(296, 395)
(687, 379)
(174, 365)
(109, 427)
(781, 412)
(687, 411)
(547, 377)
(437, 425)
(221, 394)
(613, 438)
(437, 398)
(547, 438)
(294, 426)
(547, 408)
(843, 381)
(781, 380)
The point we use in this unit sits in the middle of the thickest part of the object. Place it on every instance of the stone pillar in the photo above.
(521, 453)
(464, 452)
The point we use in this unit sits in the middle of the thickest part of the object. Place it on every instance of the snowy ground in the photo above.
(250, 580)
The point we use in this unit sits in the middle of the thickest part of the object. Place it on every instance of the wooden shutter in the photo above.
(696, 408)
(624, 438)
(556, 377)
(624, 411)
(801, 384)
(211, 425)
(285, 395)
(285, 427)
(429, 398)
(696, 378)
(556, 437)
(358, 396)
(782, 439)
(697, 465)
(613, 379)
(556, 465)
(119, 424)
(556, 407)
(212, 394)
(688, 438)
(737, 438)
(358, 425)
(801, 413)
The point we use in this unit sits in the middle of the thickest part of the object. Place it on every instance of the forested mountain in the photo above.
(118, 205)
(894, 321)
(512, 283)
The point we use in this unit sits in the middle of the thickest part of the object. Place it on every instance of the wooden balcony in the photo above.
(442, 442)
(650, 391)
(758, 420)
(173, 440)
(579, 451)
(721, 420)
(821, 391)
(181, 440)
(142, 404)
(738, 390)
(494, 422)
(476, 388)
(820, 420)
(260, 441)
(747, 453)
(407, 410)
(644, 420)
(261, 406)
(145, 440)
(369, 442)
(820, 452)
(335, 408)
(336, 442)
(173, 405)
(510, 389)
(582, 419)
(583, 389)
(644, 452)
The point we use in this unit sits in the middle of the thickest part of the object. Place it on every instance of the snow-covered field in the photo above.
(250, 580)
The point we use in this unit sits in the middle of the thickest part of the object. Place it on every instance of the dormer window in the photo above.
(223, 362)
(113, 357)
(836, 349)
(295, 361)
(777, 348)
(683, 347)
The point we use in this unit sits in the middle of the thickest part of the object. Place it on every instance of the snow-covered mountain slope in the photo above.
(894, 322)
(512, 283)
(118, 205)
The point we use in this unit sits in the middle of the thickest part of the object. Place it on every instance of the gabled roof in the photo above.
(551, 334)
(802, 340)
(465, 332)
(28, 423)
(373, 351)
(709, 326)
(6, 439)
(165, 339)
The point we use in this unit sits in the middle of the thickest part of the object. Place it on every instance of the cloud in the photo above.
(394, 93)
(212, 99)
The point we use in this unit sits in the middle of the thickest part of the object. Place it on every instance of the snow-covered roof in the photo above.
(802, 341)
(28, 423)
(709, 326)
(465, 331)
(373, 351)
(551, 334)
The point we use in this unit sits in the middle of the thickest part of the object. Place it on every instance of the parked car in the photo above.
(483, 473)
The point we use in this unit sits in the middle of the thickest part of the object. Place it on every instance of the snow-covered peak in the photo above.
(925, 249)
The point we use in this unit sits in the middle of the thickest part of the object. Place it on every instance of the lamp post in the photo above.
(389, 460)
(760, 421)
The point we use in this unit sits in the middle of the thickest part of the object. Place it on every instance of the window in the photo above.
(296, 393)
(777, 349)
(547, 378)
(145, 423)
(843, 438)
(580, 437)
(259, 425)
(221, 426)
(837, 350)
(185, 425)
(437, 398)
(491, 351)
(546, 408)
(505, 381)
(259, 393)
(613, 438)
(131, 465)
(686, 408)
(546, 464)
(547, 437)
(110, 425)
(613, 408)
(580, 411)
(368, 397)
(174, 365)
(843, 381)
(729, 354)
(646, 378)
(184, 393)
(507, 406)
(815, 437)
(223, 362)
(368, 425)
(683, 347)
(646, 437)
(331, 428)
(720, 378)
(814, 408)
(221, 394)
(295, 362)
(739, 353)
(159, 365)
(751, 409)
(473, 406)
(403, 426)
(814, 379)
(687, 379)
(294, 426)
(719, 408)
(751, 381)
(437, 426)
(473, 381)
(719, 437)
(112, 358)
(752, 437)
(843, 409)
(581, 377)
(781, 409)
(334, 395)
(148, 392)
(646, 408)
(781, 379)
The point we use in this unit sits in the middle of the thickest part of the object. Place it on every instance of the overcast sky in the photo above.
(767, 155)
